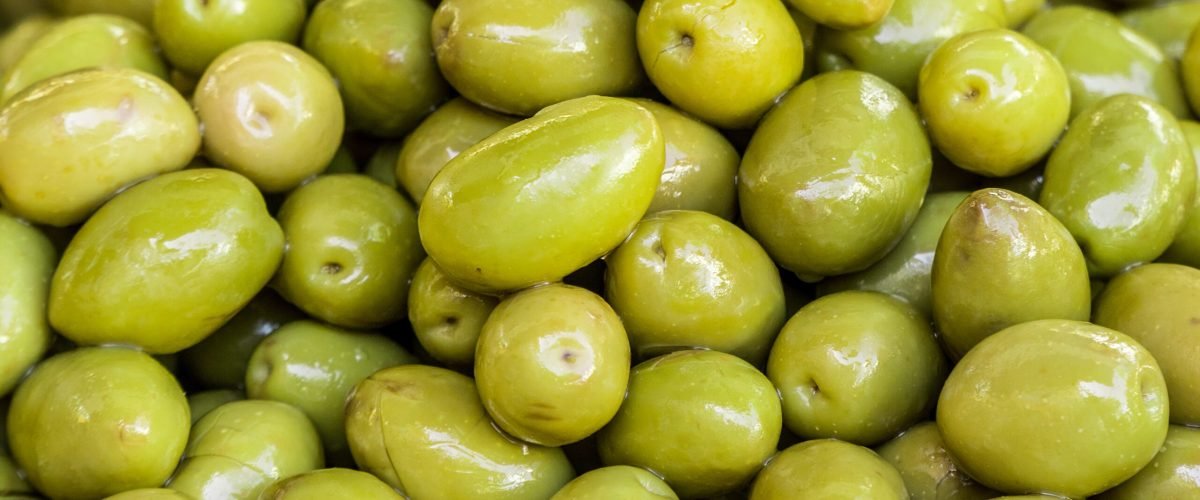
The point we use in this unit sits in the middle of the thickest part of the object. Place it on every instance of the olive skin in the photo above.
(1121, 181)
(91, 41)
(381, 54)
(219, 361)
(892, 386)
(240, 448)
(1069, 408)
(689, 279)
(330, 483)
(1131, 64)
(571, 354)
(834, 175)
(488, 49)
(313, 367)
(194, 32)
(828, 468)
(20, 36)
(1170, 25)
(905, 272)
(200, 403)
(138, 10)
(352, 248)
(1018, 12)
(137, 126)
(926, 24)
(843, 14)
(424, 431)
(450, 130)
(1185, 249)
(1003, 260)
(149, 494)
(617, 481)
(27, 263)
(119, 405)
(724, 63)
(1169, 475)
(700, 167)
(446, 318)
(1155, 304)
(929, 471)
(715, 453)
(545, 197)
(257, 102)
(203, 234)
(994, 101)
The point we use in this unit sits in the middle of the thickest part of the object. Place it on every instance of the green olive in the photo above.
(519, 56)
(382, 165)
(570, 353)
(446, 318)
(1004, 260)
(313, 367)
(835, 174)
(827, 468)
(69, 143)
(703, 420)
(857, 366)
(352, 248)
(17, 39)
(258, 102)
(424, 431)
(544, 197)
(617, 481)
(688, 279)
(1054, 406)
(844, 14)
(149, 494)
(928, 470)
(1185, 249)
(330, 483)
(219, 361)
(166, 262)
(241, 447)
(25, 269)
(92, 41)
(138, 10)
(203, 402)
(1103, 58)
(1170, 475)
(194, 32)
(1121, 181)
(724, 62)
(454, 127)
(97, 421)
(1169, 24)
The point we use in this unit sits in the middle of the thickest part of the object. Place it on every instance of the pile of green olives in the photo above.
(599, 249)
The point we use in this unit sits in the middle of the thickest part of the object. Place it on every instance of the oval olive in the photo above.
(617, 481)
(27, 261)
(1170, 475)
(844, 14)
(325, 484)
(828, 468)
(1170, 25)
(446, 318)
(929, 471)
(193, 34)
(450, 130)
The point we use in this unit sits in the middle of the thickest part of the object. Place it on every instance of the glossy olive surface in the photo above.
(835, 174)
(928, 469)
(1121, 181)
(732, 414)
(542, 198)
(240, 448)
(1172, 473)
(446, 318)
(1103, 58)
(193, 33)
(200, 403)
(895, 47)
(118, 405)
(270, 112)
(1185, 249)
(691, 279)
(827, 468)
(994, 101)
(352, 248)
(70, 142)
(424, 431)
(844, 14)
(313, 367)
(617, 481)
(905, 272)
(219, 361)
(700, 167)
(724, 62)
(450, 130)
(1156, 304)
(149, 494)
(27, 261)
(1168, 24)
(1003, 260)
(1054, 406)
(519, 56)
(166, 263)
(857, 366)
(138, 10)
(570, 353)
(20, 36)
(381, 54)
(92, 41)
(325, 484)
